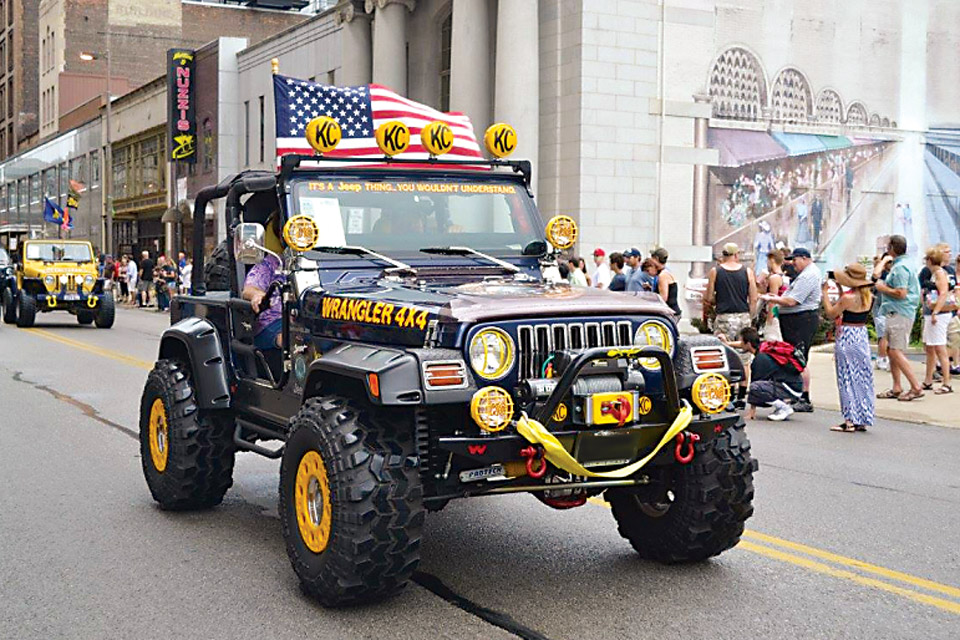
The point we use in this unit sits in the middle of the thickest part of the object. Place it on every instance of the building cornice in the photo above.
(347, 10)
(373, 5)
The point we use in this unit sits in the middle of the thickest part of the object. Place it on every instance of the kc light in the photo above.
(711, 392)
(491, 408)
(492, 353)
(301, 233)
(653, 334)
(64, 279)
(562, 232)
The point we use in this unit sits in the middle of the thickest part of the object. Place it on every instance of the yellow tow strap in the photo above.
(558, 456)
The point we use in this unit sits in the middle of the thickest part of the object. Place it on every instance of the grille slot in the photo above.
(535, 343)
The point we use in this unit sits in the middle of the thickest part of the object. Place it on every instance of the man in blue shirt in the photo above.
(900, 297)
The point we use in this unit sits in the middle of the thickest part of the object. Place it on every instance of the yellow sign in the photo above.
(301, 233)
(186, 146)
(437, 138)
(323, 134)
(393, 137)
(500, 140)
(562, 232)
(644, 406)
(369, 312)
(561, 413)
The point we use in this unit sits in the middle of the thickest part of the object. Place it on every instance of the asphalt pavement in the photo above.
(854, 535)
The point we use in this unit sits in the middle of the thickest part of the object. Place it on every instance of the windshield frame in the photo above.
(529, 209)
(55, 243)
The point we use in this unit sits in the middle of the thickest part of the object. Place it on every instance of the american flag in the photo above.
(359, 111)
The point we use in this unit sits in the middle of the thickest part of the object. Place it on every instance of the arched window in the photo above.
(829, 107)
(885, 122)
(737, 85)
(875, 120)
(856, 114)
(792, 100)
(446, 31)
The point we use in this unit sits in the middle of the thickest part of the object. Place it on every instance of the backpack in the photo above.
(785, 354)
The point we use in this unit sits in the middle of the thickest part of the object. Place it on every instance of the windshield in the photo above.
(57, 252)
(397, 216)
(4, 258)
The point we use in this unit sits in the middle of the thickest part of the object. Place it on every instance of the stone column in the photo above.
(700, 186)
(390, 42)
(355, 48)
(470, 66)
(517, 81)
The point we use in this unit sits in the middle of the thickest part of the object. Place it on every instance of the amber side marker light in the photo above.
(373, 383)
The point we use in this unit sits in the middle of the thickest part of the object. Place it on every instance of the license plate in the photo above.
(480, 474)
(71, 297)
(604, 408)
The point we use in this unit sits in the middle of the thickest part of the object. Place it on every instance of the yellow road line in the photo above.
(819, 567)
(845, 561)
(106, 353)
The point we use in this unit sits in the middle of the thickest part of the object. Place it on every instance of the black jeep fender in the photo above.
(398, 373)
(33, 286)
(195, 342)
(684, 363)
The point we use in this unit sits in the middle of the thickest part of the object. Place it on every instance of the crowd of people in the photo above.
(771, 314)
(149, 282)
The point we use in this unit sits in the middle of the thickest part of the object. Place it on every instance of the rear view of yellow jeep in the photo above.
(57, 275)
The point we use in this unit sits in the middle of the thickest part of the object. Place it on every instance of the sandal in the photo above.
(927, 386)
(911, 395)
(859, 427)
(889, 394)
(843, 427)
(943, 390)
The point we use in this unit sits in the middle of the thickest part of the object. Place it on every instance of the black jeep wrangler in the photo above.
(427, 352)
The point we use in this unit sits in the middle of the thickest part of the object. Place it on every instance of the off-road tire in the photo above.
(216, 269)
(26, 309)
(712, 498)
(9, 307)
(107, 312)
(376, 499)
(85, 316)
(199, 467)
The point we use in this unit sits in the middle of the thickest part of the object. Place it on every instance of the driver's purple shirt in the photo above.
(261, 276)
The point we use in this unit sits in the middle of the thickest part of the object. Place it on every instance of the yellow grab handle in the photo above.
(536, 433)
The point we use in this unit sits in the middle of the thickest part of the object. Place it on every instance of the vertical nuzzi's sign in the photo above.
(182, 105)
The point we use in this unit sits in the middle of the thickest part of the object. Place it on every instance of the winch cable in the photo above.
(536, 433)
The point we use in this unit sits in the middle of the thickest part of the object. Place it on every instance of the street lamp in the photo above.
(106, 217)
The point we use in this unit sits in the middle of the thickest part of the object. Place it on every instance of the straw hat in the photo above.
(853, 276)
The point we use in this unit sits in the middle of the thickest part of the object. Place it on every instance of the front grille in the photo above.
(535, 343)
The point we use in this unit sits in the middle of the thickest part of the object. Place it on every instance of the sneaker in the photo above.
(802, 406)
(883, 364)
(782, 413)
(937, 376)
(955, 371)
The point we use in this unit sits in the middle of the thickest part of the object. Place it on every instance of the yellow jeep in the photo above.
(57, 275)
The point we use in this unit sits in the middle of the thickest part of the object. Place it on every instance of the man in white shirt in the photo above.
(601, 276)
(576, 278)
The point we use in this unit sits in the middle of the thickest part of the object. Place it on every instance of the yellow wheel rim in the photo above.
(312, 500)
(159, 436)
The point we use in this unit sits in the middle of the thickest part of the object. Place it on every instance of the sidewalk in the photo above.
(931, 409)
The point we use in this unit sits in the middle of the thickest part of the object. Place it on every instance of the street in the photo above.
(854, 535)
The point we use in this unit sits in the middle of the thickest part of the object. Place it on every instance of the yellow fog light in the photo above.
(711, 392)
(562, 232)
(323, 134)
(393, 137)
(500, 140)
(491, 408)
(437, 138)
(301, 233)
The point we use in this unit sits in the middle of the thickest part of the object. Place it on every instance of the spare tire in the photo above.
(216, 269)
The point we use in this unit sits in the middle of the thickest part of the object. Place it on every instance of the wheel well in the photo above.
(173, 349)
(323, 383)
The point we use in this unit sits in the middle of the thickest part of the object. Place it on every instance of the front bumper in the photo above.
(69, 301)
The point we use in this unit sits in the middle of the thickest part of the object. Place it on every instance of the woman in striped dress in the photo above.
(852, 349)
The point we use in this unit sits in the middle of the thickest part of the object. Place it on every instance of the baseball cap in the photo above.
(799, 252)
(731, 249)
(599, 252)
(633, 252)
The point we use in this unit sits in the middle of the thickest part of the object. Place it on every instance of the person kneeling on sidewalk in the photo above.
(775, 378)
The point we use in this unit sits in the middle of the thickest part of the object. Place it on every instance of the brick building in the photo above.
(138, 33)
(18, 76)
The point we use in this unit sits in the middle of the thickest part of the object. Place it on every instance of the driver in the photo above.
(269, 322)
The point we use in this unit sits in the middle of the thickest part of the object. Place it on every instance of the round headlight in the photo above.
(711, 392)
(64, 279)
(49, 281)
(654, 334)
(89, 280)
(492, 353)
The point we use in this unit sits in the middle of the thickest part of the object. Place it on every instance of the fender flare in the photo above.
(197, 339)
(398, 372)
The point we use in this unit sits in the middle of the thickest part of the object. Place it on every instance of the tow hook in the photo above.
(618, 409)
(531, 454)
(685, 437)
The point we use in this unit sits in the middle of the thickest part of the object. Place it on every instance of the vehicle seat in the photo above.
(250, 361)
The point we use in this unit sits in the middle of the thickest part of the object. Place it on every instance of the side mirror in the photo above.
(248, 242)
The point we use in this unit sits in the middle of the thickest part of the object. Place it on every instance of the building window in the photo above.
(738, 85)
(246, 133)
(35, 189)
(332, 77)
(446, 30)
(792, 98)
(94, 168)
(120, 173)
(829, 107)
(208, 150)
(50, 188)
(78, 170)
(261, 129)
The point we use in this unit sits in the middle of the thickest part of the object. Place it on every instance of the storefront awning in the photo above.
(835, 142)
(798, 144)
(738, 147)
